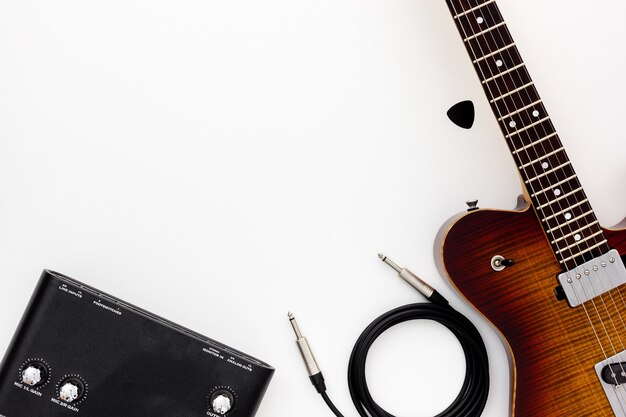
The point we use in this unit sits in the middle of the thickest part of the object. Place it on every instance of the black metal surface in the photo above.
(131, 362)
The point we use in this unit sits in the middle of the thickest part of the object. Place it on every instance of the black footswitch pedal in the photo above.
(78, 351)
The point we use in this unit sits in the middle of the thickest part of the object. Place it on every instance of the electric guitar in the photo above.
(547, 275)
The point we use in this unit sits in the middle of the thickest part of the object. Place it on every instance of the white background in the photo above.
(222, 162)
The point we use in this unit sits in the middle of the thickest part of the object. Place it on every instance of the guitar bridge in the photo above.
(593, 278)
(612, 376)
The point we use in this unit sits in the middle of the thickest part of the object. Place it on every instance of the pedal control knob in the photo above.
(68, 392)
(32, 376)
(35, 373)
(222, 402)
(72, 389)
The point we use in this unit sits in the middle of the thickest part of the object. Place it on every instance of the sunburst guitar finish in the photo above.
(553, 346)
(548, 276)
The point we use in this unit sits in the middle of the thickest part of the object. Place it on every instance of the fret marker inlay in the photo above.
(547, 173)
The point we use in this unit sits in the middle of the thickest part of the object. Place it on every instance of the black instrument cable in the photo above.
(473, 396)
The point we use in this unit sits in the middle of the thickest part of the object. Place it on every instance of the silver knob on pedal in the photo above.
(222, 404)
(31, 376)
(68, 392)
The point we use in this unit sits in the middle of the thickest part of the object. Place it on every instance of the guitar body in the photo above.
(553, 347)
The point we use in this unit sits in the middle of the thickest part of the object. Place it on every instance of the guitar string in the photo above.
(508, 112)
(559, 163)
(611, 274)
(606, 273)
(617, 388)
(497, 109)
(545, 159)
(619, 291)
(569, 225)
(595, 308)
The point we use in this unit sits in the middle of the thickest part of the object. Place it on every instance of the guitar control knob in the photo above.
(498, 263)
(31, 376)
(222, 402)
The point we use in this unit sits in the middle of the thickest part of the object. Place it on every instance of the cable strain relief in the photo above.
(437, 298)
(318, 382)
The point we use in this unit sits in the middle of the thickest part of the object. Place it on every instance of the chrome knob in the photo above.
(222, 404)
(68, 392)
(31, 376)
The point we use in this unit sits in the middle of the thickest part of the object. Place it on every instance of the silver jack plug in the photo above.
(415, 281)
(305, 349)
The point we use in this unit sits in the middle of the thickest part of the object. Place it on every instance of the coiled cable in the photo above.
(471, 400)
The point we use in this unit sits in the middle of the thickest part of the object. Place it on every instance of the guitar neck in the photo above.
(548, 175)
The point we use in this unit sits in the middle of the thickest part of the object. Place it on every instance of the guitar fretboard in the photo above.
(549, 177)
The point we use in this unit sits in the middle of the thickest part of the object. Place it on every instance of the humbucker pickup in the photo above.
(593, 278)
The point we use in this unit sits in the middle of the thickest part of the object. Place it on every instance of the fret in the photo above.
(475, 16)
(537, 142)
(554, 192)
(494, 53)
(498, 86)
(576, 255)
(496, 66)
(547, 172)
(512, 92)
(552, 177)
(560, 224)
(549, 177)
(567, 210)
(472, 9)
(554, 152)
(524, 97)
(566, 250)
(577, 243)
(531, 126)
(503, 73)
(575, 219)
(537, 151)
(525, 128)
(484, 32)
(564, 196)
(479, 20)
(564, 205)
(570, 217)
(555, 185)
(575, 232)
(530, 106)
(570, 240)
(491, 40)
